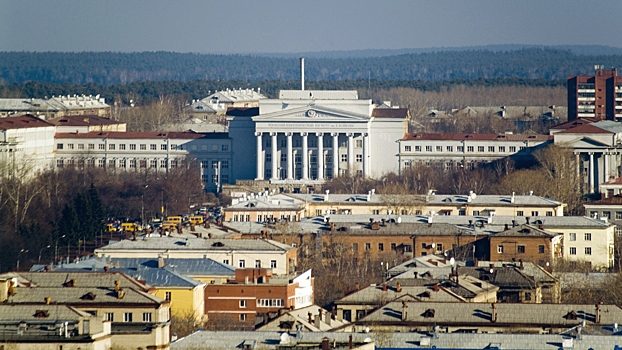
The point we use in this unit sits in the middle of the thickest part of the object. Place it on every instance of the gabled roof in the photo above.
(193, 267)
(162, 278)
(82, 279)
(196, 244)
(574, 123)
(524, 231)
(319, 95)
(231, 96)
(290, 319)
(81, 295)
(317, 113)
(476, 137)
(83, 120)
(585, 129)
(23, 122)
(184, 135)
(390, 113)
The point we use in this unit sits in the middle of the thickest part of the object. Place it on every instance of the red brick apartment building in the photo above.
(598, 96)
(254, 297)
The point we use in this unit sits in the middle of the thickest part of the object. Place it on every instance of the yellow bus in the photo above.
(197, 219)
(176, 219)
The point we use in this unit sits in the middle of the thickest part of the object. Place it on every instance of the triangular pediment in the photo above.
(586, 142)
(311, 113)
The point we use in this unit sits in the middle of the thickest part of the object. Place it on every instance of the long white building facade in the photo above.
(309, 136)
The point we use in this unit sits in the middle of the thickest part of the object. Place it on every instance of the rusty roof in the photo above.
(141, 135)
(573, 123)
(83, 120)
(22, 122)
(585, 129)
(479, 137)
(390, 113)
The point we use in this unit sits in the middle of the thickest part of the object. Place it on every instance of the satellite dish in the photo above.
(399, 219)
(452, 261)
(433, 245)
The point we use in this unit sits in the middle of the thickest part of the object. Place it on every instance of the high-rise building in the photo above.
(598, 96)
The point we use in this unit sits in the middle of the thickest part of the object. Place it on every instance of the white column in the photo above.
(290, 156)
(320, 155)
(591, 173)
(260, 162)
(366, 161)
(351, 171)
(305, 157)
(605, 167)
(275, 157)
(579, 177)
(335, 154)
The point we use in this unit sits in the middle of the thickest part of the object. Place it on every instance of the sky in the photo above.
(289, 26)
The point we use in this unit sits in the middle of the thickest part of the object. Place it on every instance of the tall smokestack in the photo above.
(302, 74)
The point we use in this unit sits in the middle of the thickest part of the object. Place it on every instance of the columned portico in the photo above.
(320, 155)
(305, 156)
(591, 173)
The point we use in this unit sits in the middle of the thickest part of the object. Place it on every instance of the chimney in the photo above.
(319, 313)
(416, 274)
(398, 288)
(347, 290)
(435, 288)
(350, 345)
(73, 283)
(356, 286)
(310, 317)
(47, 268)
(325, 344)
(384, 287)
(522, 267)
(120, 293)
(48, 300)
(106, 268)
(302, 74)
(597, 320)
(527, 219)
(328, 319)
(161, 263)
(333, 313)
(404, 312)
(117, 285)
(493, 315)
(317, 321)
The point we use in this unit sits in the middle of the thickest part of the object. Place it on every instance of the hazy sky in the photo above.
(245, 26)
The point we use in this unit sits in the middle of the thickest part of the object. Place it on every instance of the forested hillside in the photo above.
(110, 68)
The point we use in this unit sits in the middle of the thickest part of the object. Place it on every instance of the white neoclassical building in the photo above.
(308, 136)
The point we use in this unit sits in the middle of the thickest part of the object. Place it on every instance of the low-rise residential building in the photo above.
(138, 318)
(608, 208)
(87, 123)
(307, 319)
(52, 327)
(359, 303)
(56, 106)
(263, 207)
(454, 151)
(239, 253)
(458, 205)
(524, 243)
(256, 296)
(488, 318)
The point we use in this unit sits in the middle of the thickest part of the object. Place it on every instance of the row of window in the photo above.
(586, 251)
(406, 247)
(224, 164)
(586, 236)
(214, 178)
(113, 146)
(606, 214)
(519, 249)
(141, 147)
(297, 143)
(328, 158)
(460, 149)
(261, 218)
(265, 303)
(127, 317)
(242, 263)
(118, 163)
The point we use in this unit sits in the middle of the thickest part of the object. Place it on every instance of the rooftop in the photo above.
(23, 122)
(476, 137)
(196, 244)
(184, 135)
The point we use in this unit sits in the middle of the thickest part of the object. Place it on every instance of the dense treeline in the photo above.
(147, 91)
(112, 68)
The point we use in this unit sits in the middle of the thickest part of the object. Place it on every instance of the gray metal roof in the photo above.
(319, 95)
(80, 295)
(57, 313)
(82, 279)
(197, 244)
(194, 267)
(162, 277)
(406, 340)
(465, 314)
